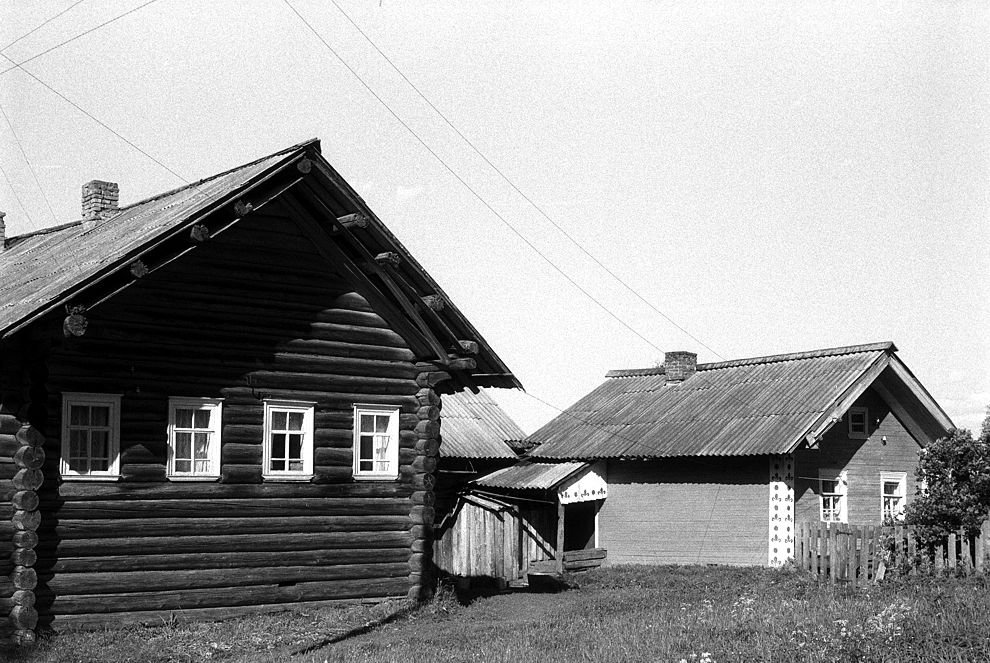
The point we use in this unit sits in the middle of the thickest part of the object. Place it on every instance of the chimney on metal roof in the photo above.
(99, 200)
(3, 232)
(679, 365)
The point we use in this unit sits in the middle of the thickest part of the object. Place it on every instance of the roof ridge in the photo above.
(766, 359)
(163, 194)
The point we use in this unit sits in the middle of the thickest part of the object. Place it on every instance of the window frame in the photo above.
(865, 433)
(308, 409)
(112, 401)
(901, 479)
(215, 406)
(841, 480)
(393, 431)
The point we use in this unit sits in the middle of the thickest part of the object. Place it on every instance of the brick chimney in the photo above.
(679, 365)
(99, 200)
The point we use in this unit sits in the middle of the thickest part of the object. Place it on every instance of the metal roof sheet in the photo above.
(529, 475)
(744, 407)
(474, 426)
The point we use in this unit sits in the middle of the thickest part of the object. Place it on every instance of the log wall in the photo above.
(253, 313)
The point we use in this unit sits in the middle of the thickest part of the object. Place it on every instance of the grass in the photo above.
(694, 614)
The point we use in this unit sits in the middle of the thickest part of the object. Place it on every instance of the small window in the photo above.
(859, 426)
(376, 442)
(90, 436)
(893, 492)
(288, 443)
(832, 489)
(194, 438)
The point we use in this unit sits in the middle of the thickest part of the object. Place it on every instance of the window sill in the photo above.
(376, 477)
(186, 477)
(274, 478)
(90, 477)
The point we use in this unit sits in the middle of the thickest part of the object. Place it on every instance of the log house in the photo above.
(222, 399)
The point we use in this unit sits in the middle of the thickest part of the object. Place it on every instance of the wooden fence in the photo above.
(859, 553)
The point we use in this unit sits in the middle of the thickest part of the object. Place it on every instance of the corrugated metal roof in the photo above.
(474, 426)
(39, 268)
(531, 476)
(753, 406)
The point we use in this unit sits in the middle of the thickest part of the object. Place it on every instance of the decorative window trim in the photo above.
(215, 407)
(112, 401)
(393, 448)
(854, 428)
(901, 479)
(841, 493)
(307, 408)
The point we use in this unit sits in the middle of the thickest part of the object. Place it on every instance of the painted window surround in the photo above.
(195, 429)
(833, 489)
(376, 443)
(297, 465)
(111, 428)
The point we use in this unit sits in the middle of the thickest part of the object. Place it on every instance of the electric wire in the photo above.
(31, 32)
(30, 165)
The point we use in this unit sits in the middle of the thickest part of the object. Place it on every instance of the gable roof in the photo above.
(529, 475)
(762, 405)
(474, 426)
(86, 263)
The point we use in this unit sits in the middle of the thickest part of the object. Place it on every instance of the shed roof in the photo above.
(87, 262)
(474, 426)
(762, 405)
(529, 475)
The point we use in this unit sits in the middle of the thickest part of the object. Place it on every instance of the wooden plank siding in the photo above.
(686, 511)
(863, 461)
(254, 313)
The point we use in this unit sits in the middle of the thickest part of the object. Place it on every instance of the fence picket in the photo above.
(952, 550)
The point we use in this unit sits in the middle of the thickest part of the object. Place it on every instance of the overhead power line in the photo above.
(29, 164)
(31, 32)
(71, 39)
(519, 191)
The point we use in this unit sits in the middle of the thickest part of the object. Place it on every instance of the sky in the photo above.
(764, 177)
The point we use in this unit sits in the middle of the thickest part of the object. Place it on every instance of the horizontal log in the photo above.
(9, 445)
(30, 436)
(23, 597)
(139, 472)
(23, 557)
(86, 492)
(26, 520)
(70, 584)
(23, 617)
(235, 474)
(392, 551)
(232, 508)
(30, 457)
(25, 499)
(27, 479)
(180, 527)
(234, 596)
(25, 539)
(240, 453)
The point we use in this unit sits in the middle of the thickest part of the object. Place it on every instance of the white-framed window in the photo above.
(376, 442)
(859, 423)
(287, 449)
(194, 438)
(833, 486)
(90, 436)
(893, 495)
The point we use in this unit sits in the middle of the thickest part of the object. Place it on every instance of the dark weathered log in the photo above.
(240, 474)
(31, 458)
(355, 220)
(279, 507)
(142, 472)
(240, 453)
(21, 577)
(27, 479)
(30, 436)
(23, 597)
(424, 497)
(25, 539)
(432, 379)
(25, 499)
(470, 347)
(428, 446)
(8, 446)
(182, 526)
(199, 233)
(428, 396)
(429, 412)
(86, 492)
(233, 596)
(24, 617)
(367, 533)
(422, 515)
(304, 166)
(75, 324)
(228, 560)
(422, 464)
(243, 208)
(23, 556)
(388, 258)
(424, 481)
(138, 269)
(26, 520)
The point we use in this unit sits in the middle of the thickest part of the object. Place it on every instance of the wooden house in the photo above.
(225, 398)
(714, 463)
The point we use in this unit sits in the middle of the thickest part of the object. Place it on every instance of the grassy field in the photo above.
(691, 614)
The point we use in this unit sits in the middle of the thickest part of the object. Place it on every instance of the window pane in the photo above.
(278, 420)
(80, 465)
(99, 444)
(277, 465)
(184, 418)
(829, 486)
(891, 488)
(367, 423)
(381, 424)
(202, 419)
(201, 445)
(295, 446)
(381, 446)
(183, 466)
(367, 447)
(202, 466)
(99, 415)
(295, 420)
(365, 466)
(78, 415)
(100, 464)
(278, 445)
(78, 443)
(295, 465)
(183, 445)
